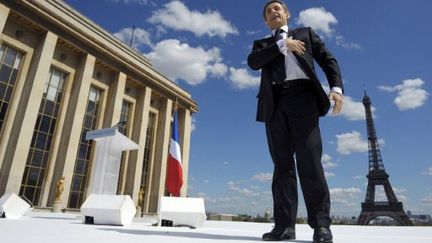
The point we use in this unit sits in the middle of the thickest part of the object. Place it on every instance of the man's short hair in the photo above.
(274, 1)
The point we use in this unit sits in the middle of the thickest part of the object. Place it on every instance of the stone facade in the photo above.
(61, 75)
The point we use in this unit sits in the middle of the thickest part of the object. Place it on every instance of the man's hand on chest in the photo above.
(296, 46)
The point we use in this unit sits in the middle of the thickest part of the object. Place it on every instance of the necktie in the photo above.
(278, 64)
(278, 34)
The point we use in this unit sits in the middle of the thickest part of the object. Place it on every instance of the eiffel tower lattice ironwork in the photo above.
(377, 176)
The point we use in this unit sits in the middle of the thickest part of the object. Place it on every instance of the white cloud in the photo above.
(201, 194)
(243, 191)
(263, 177)
(319, 19)
(141, 37)
(345, 201)
(253, 32)
(141, 2)
(205, 197)
(382, 197)
(240, 199)
(348, 143)
(399, 190)
(178, 16)
(427, 200)
(192, 64)
(329, 174)
(326, 158)
(428, 171)
(410, 94)
(400, 194)
(239, 204)
(353, 110)
(242, 79)
(193, 126)
(328, 165)
(340, 41)
(322, 21)
(358, 177)
(327, 161)
(344, 196)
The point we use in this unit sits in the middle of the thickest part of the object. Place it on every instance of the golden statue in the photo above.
(141, 197)
(59, 188)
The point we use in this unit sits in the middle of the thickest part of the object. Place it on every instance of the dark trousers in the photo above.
(294, 130)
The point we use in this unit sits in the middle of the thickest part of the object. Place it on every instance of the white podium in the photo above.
(103, 206)
(110, 144)
(182, 211)
(108, 209)
(12, 206)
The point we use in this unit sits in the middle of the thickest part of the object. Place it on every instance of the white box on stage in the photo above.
(108, 209)
(182, 211)
(12, 206)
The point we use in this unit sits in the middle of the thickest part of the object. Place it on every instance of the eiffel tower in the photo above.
(378, 177)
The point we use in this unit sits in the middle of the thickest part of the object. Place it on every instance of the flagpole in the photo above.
(175, 107)
(132, 36)
(173, 114)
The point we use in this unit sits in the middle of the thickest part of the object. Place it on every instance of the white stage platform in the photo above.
(42, 227)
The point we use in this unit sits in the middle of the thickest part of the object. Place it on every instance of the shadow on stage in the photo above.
(62, 218)
(194, 235)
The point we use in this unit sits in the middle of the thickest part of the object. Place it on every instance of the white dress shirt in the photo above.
(292, 66)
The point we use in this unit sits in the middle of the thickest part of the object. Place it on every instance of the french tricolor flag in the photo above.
(174, 180)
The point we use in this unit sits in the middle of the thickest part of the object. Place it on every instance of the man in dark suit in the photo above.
(290, 102)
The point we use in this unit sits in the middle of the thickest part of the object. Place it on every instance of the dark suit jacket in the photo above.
(265, 51)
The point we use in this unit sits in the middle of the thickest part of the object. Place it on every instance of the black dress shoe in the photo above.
(322, 235)
(280, 233)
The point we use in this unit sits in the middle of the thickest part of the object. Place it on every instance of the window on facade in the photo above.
(10, 60)
(40, 148)
(148, 152)
(124, 116)
(82, 162)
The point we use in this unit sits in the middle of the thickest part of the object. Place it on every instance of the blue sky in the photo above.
(383, 46)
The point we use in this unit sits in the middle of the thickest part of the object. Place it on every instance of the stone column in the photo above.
(18, 88)
(71, 132)
(134, 170)
(185, 129)
(163, 136)
(4, 13)
(115, 101)
(22, 132)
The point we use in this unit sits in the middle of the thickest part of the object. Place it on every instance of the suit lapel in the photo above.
(266, 41)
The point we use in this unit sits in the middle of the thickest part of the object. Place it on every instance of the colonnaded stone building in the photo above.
(62, 75)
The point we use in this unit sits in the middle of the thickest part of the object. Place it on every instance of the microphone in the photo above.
(120, 124)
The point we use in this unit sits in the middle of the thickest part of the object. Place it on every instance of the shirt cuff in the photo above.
(282, 46)
(336, 90)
